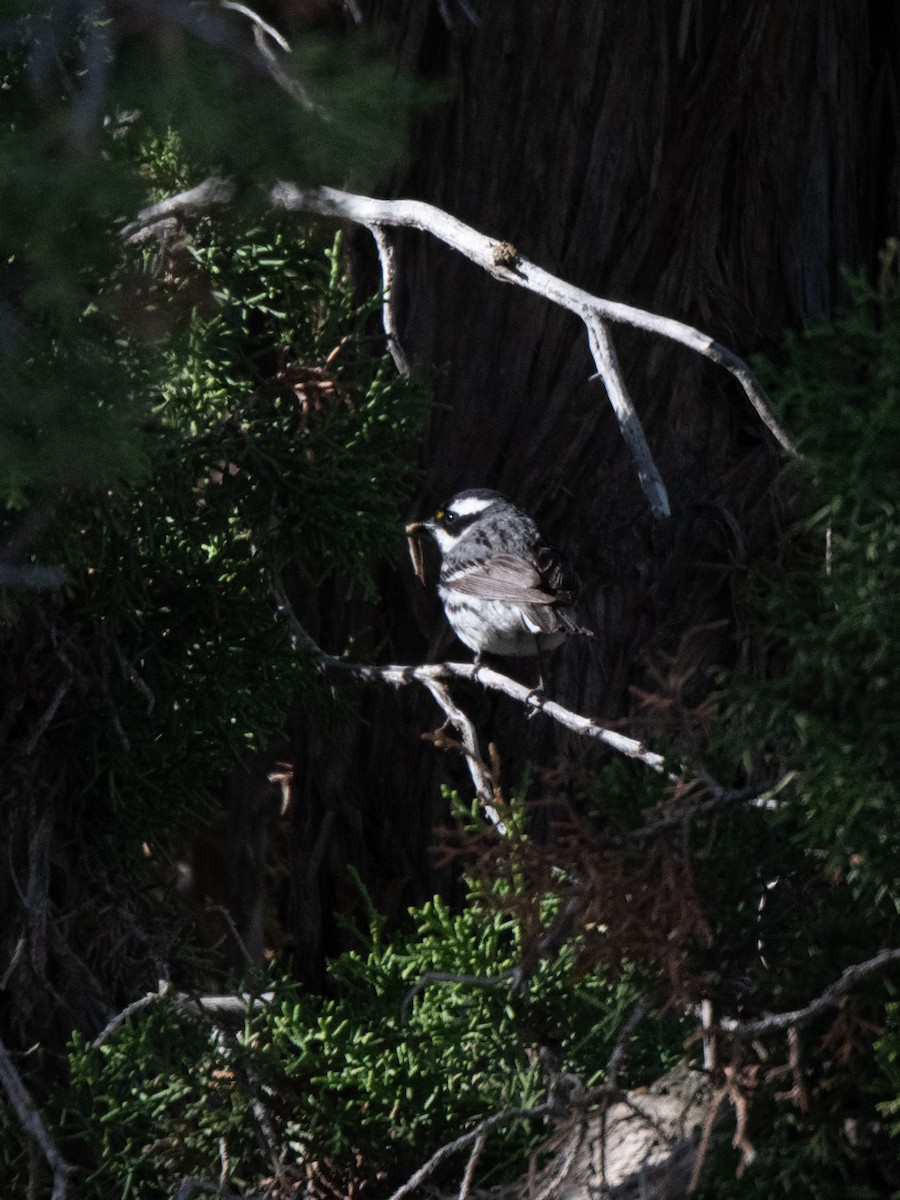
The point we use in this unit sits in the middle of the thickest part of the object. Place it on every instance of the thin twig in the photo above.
(709, 1124)
(185, 1005)
(301, 639)
(619, 1050)
(466, 1186)
(13, 962)
(257, 20)
(48, 715)
(287, 83)
(504, 979)
(262, 30)
(722, 798)
(388, 276)
(849, 978)
(235, 933)
(608, 370)
(495, 1121)
(455, 715)
(33, 1123)
(129, 1010)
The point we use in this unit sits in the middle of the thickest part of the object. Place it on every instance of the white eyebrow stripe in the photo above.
(469, 506)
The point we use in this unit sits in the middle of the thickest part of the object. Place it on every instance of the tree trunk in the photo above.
(715, 164)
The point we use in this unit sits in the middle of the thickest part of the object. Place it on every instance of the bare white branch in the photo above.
(513, 268)
(439, 673)
(388, 276)
(466, 1186)
(260, 24)
(128, 1011)
(211, 193)
(190, 1006)
(503, 262)
(398, 676)
(608, 370)
(480, 777)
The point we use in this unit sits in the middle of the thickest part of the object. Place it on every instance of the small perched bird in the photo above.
(505, 590)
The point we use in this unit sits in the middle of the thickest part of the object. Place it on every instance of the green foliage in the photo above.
(801, 1157)
(887, 1050)
(826, 716)
(259, 427)
(829, 604)
(364, 1070)
(258, 460)
(82, 100)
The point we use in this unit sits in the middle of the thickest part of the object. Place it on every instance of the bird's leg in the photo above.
(479, 662)
(538, 692)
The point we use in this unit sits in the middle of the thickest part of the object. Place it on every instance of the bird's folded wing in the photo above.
(503, 577)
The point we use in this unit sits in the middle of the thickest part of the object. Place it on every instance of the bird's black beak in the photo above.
(415, 532)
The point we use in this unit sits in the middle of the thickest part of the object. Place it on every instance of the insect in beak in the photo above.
(415, 532)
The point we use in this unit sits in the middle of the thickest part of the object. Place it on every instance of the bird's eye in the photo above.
(447, 518)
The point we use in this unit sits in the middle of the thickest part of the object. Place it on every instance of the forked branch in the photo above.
(503, 262)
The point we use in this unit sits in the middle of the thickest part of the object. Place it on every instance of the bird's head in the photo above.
(450, 523)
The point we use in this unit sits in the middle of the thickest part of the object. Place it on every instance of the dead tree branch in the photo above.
(481, 777)
(481, 1130)
(721, 798)
(262, 31)
(129, 1011)
(210, 1006)
(33, 1123)
(400, 676)
(386, 258)
(511, 267)
(502, 262)
(434, 678)
(439, 673)
(608, 370)
(849, 978)
(211, 193)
